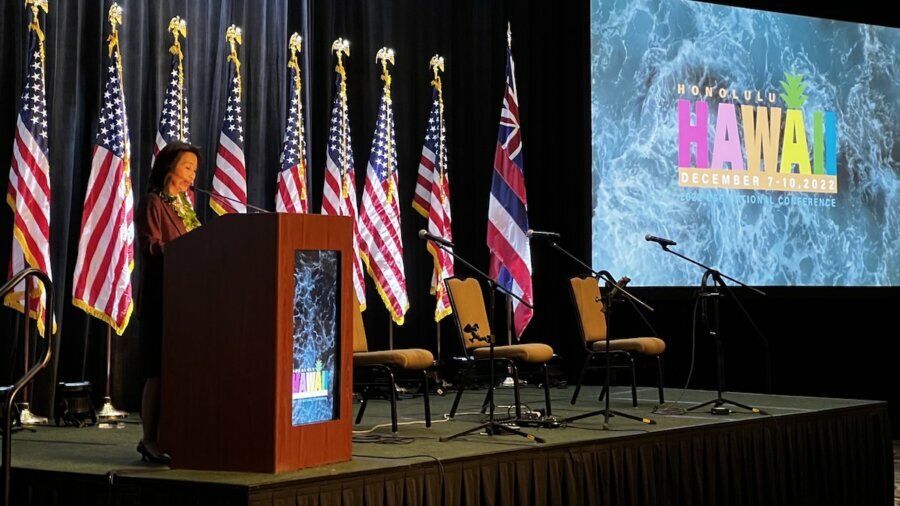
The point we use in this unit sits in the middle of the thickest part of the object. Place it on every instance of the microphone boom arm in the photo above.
(489, 279)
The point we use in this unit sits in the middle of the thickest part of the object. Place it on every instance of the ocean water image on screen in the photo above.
(766, 145)
(316, 331)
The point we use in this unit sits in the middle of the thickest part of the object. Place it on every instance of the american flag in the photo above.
(291, 196)
(174, 120)
(28, 191)
(508, 208)
(379, 216)
(102, 279)
(432, 199)
(339, 193)
(230, 177)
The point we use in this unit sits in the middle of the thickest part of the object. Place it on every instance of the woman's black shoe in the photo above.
(147, 456)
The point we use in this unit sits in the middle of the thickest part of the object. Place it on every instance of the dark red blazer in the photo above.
(156, 224)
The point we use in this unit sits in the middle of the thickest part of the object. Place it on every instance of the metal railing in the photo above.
(30, 373)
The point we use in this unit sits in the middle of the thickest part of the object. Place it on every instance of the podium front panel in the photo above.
(232, 340)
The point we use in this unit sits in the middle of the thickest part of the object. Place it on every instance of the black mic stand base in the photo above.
(493, 429)
(720, 409)
(607, 414)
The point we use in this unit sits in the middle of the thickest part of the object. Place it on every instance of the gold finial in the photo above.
(178, 27)
(508, 35)
(436, 63)
(115, 18)
(385, 55)
(36, 7)
(115, 15)
(296, 43)
(234, 36)
(341, 46)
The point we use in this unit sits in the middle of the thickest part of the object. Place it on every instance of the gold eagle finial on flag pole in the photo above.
(341, 47)
(295, 45)
(36, 7)
(234, 37)
(178, 27)
(384, 56)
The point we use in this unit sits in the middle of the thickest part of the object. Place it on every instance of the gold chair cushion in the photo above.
(533, 353)
(412, 359)
(643, 345)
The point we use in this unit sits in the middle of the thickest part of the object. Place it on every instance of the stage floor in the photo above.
(105, 458)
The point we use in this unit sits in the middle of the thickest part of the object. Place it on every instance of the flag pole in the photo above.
(108, 411)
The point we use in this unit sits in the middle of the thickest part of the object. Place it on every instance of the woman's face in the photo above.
(183, 173)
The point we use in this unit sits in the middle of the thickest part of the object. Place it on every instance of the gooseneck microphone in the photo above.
(538, 233)
(659, 240)
(216, 195)
(423, 234)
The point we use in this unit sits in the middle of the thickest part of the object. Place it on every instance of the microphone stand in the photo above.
(491, 427)
(607, 313)
(711, 321)
(216, 195)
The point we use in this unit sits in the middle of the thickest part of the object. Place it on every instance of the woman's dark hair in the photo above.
(165, 162)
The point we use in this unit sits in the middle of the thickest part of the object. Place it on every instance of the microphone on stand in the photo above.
(423, 234)
(538, 233)
(659, 240)
(216, 195)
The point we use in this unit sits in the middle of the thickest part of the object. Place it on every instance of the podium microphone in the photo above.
(216, 195)
(538, 233)
(659, 240)
(423, 234)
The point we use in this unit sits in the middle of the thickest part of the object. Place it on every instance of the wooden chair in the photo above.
(383, 367)
(592, 323)
(467, 301)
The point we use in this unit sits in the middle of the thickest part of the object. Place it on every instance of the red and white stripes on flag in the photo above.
(291, 195)
(230, 177)
(508, 208)
(339, 192)
(28, 191)
(432, 199)
(379, 215)
(102, 279)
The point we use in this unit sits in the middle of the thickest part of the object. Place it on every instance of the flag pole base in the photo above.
(109, 412)
(26, 417)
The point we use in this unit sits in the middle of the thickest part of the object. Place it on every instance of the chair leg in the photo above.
(488, 399)
(633, 381)
(461, 385)
(659, 362)
(584, 368)
(426, 399)
(363, 401)
(548, 411)
(517, 398)
(394, 428)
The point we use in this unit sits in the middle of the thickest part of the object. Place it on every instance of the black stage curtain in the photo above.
(550, 44)
(837, 458)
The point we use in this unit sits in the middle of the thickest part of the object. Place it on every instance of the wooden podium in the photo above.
(228, 345)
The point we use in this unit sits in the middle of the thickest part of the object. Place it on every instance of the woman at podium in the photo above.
(164, 213)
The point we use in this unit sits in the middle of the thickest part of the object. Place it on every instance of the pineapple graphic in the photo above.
(795, 150)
